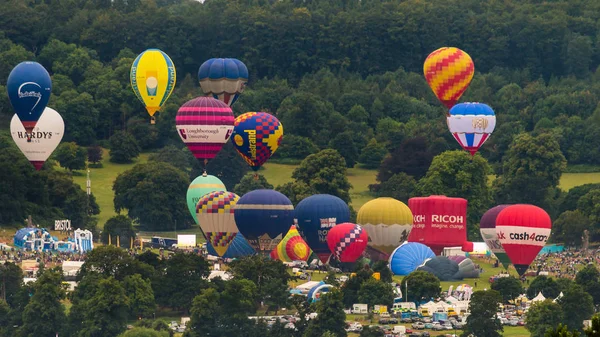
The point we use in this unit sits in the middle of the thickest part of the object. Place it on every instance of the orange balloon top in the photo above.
(449, 72)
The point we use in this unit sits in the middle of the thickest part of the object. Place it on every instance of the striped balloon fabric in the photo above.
(204, 124)
(449, 72)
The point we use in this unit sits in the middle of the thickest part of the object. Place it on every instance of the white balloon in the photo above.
(46, 136)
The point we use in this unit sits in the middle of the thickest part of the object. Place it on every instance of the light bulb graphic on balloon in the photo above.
(151, 84)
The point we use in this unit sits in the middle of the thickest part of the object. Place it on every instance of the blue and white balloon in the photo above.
(223, 79)
(471, 124)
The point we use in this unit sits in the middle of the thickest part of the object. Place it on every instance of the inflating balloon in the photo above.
(449, 72)
(523, 231)
(239, 247)
(315, 216)
(347, 241)
(38, 145)
(263, 216)
(224, 79)
(256, 136)
(487, 228)
(204, 125)
(198, 188)
(292, 247)
(406, 258)
(388, 222)
(275, 254)
(471, 124)
(29, 87)
(153, 78)
(216, 218)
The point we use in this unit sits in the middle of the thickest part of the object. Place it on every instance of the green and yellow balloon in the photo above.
(201, 186)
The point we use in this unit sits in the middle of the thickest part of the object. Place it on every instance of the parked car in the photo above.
(418, 325)
(437, 326)
(428, 325)
(448, 326)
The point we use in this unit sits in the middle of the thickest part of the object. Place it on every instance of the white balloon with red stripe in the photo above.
(471, 124)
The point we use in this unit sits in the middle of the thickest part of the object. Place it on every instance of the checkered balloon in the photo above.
(256, 136)
(347, 241)
(214, 212)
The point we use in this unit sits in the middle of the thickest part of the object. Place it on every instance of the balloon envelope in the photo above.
(387, 221)
(224, 79)
(487, 228)
(198, 188)
(293, 247)
(471, 124)
(347, 241)
(29, 87)
(216, 218)
(204, 125)
(449, 72)
(153, 78)
(45, 137)
(239, 247)
(406, 258)
(263, 216)
(439, 221)
(256, 136)
(523, 230)
(315, 216)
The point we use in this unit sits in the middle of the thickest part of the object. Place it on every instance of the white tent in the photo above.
(538, 298)
(219, 273)
(451, 299)
(306, 287)
(71, 268)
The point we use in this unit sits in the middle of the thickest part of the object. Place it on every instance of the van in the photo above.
(425, 312)
(452, 312)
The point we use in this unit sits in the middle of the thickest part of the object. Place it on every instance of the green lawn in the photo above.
(102, 181)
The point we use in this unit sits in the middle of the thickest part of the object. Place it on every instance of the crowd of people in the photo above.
(566, 263)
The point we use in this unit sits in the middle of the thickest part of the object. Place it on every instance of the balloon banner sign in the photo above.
(62, 225)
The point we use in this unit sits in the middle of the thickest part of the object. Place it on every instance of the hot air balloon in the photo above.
(256, 136)
(153, 78)
(38, 145)
(263, 216)
(224, 79)
(487, 229)
(292, 247)
(29, 87)
(406, 258)
(198, 188)
(275, 254)
(239, 247)
(438, 221)
(387, 221)
(449, 72)
(215, 215)
(347, 241)
(204, 125)
(315, 216)
(471, 124)
(442, 267)
(523, 230)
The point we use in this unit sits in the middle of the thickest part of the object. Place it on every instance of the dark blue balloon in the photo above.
(29, 87)
(315, 215)
(264, 217)
(219, 68)
(239, 247)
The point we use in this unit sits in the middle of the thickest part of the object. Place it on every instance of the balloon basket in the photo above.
(152, 120)
(255, 175)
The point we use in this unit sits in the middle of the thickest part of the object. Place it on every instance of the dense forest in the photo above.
(345, 75)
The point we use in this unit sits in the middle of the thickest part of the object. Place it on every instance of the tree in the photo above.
(483, 320)
(105, 313)
(372, 154)
(531, 167)
(71, 156)
(326, 173)
(173, 290)
(543, 316)
(344, 144)
(4, 318)
(180, 158)
(118, 226)
(144, 332)
(577, 306)
(94, 154)
(144, 133)
(569, 227)
(110, 261)
(154, 195)
(373, 292)
(594, 329)
(141, 296)
(411, 157)
(421, 286)
(295, 147)
(509, 287)
(385, 274)
(228, 166)
(562, 331)
(250, 183)
(457, 173)
(12, 278)
(296, 191)
(45, 303)
(544, 284)
(400, 186)
(330, 316)
(123, 147)
(589, 278)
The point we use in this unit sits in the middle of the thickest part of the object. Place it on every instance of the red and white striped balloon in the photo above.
(204, 124)
(523, 231)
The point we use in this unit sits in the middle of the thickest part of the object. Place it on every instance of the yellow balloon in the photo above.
(388, 222)
(153, 78)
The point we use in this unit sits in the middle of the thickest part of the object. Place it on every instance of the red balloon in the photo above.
(274, 255)
(438, 222)
(523, 231)
(347, 241)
